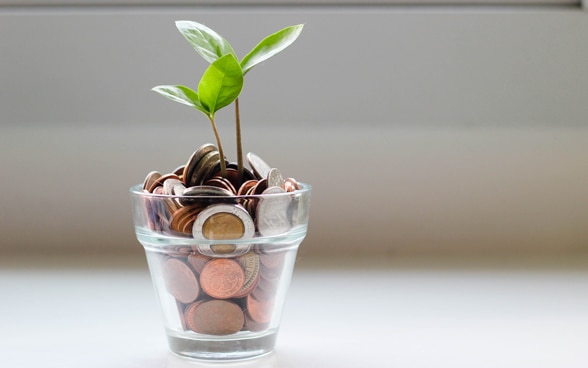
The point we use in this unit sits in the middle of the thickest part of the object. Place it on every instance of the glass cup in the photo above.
(221, 266)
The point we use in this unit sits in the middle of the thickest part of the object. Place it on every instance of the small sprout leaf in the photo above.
(270, 46)
(209, 44)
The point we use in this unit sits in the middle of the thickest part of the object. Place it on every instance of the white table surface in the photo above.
(391, 315)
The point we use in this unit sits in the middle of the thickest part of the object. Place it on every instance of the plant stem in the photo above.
(220, 147)
(239, 146)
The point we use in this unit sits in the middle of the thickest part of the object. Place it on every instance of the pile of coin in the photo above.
(220, 283)
(222, 296)
(209, 205)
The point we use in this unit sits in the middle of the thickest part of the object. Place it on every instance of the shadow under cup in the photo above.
(221, 267)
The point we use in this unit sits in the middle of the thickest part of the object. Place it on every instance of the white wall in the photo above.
(421, 129)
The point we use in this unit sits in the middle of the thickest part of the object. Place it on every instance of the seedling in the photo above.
(222, 82)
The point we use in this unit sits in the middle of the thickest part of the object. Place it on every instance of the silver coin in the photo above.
(273, 215)
(211, 168)
(205, 195)
(194, 160)
(260, 168)
(169, 184)
(275, 178)
(199, 231)
(178, 189)
(206, 190)
(205, 165)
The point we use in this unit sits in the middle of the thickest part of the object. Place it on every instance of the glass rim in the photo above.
(137, 190)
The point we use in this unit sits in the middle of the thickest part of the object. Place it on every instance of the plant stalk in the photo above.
(223, 164)
(239, 145)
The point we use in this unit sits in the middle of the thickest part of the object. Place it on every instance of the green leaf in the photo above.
(209, 44)
(270, 46)
(221, 84)
(181, 94)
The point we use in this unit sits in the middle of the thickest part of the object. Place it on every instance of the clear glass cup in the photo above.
(221, 266)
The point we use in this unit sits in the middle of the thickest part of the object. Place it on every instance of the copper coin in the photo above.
(291, 185)
(187, 310)
(180, 280)
(246, 186)
(198, 261)
(219, 181)
(215, 317)
(163, 178)
(259, 310)
(179, 171)
(183, 219)
(222, 278)
(161, 208)
(265, 289)
(232, 174)
(254, 326)
(151, 214)
(260, 187)
(150, 180)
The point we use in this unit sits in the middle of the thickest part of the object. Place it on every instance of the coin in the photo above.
(254, 326)
(220, 182)
(260, 168)
(183, 219)
(180, 280)
(260, 187)
(246, 186)
(222, 278)
(162, 209)
(150, 180)
(200, 194)
(258, 310)
(275, 178)
(205, 191)
(223, 221)
(272, 259)
(198, 261)
(291, 185)
(232, 174)
(272, 213)
(179, 171)
(163, 178)
(170, 184)
(209, 160)
(250, 264)
(215, 317)
(194, 160)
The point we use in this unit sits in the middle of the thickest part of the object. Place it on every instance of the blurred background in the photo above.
(424, 130)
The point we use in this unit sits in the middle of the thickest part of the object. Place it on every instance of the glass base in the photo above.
(222, 349)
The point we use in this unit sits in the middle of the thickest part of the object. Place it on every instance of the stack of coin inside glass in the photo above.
(222, 296)
(201, 186)
(221, 288)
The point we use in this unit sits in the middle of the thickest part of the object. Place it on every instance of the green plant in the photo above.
(222, 82)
